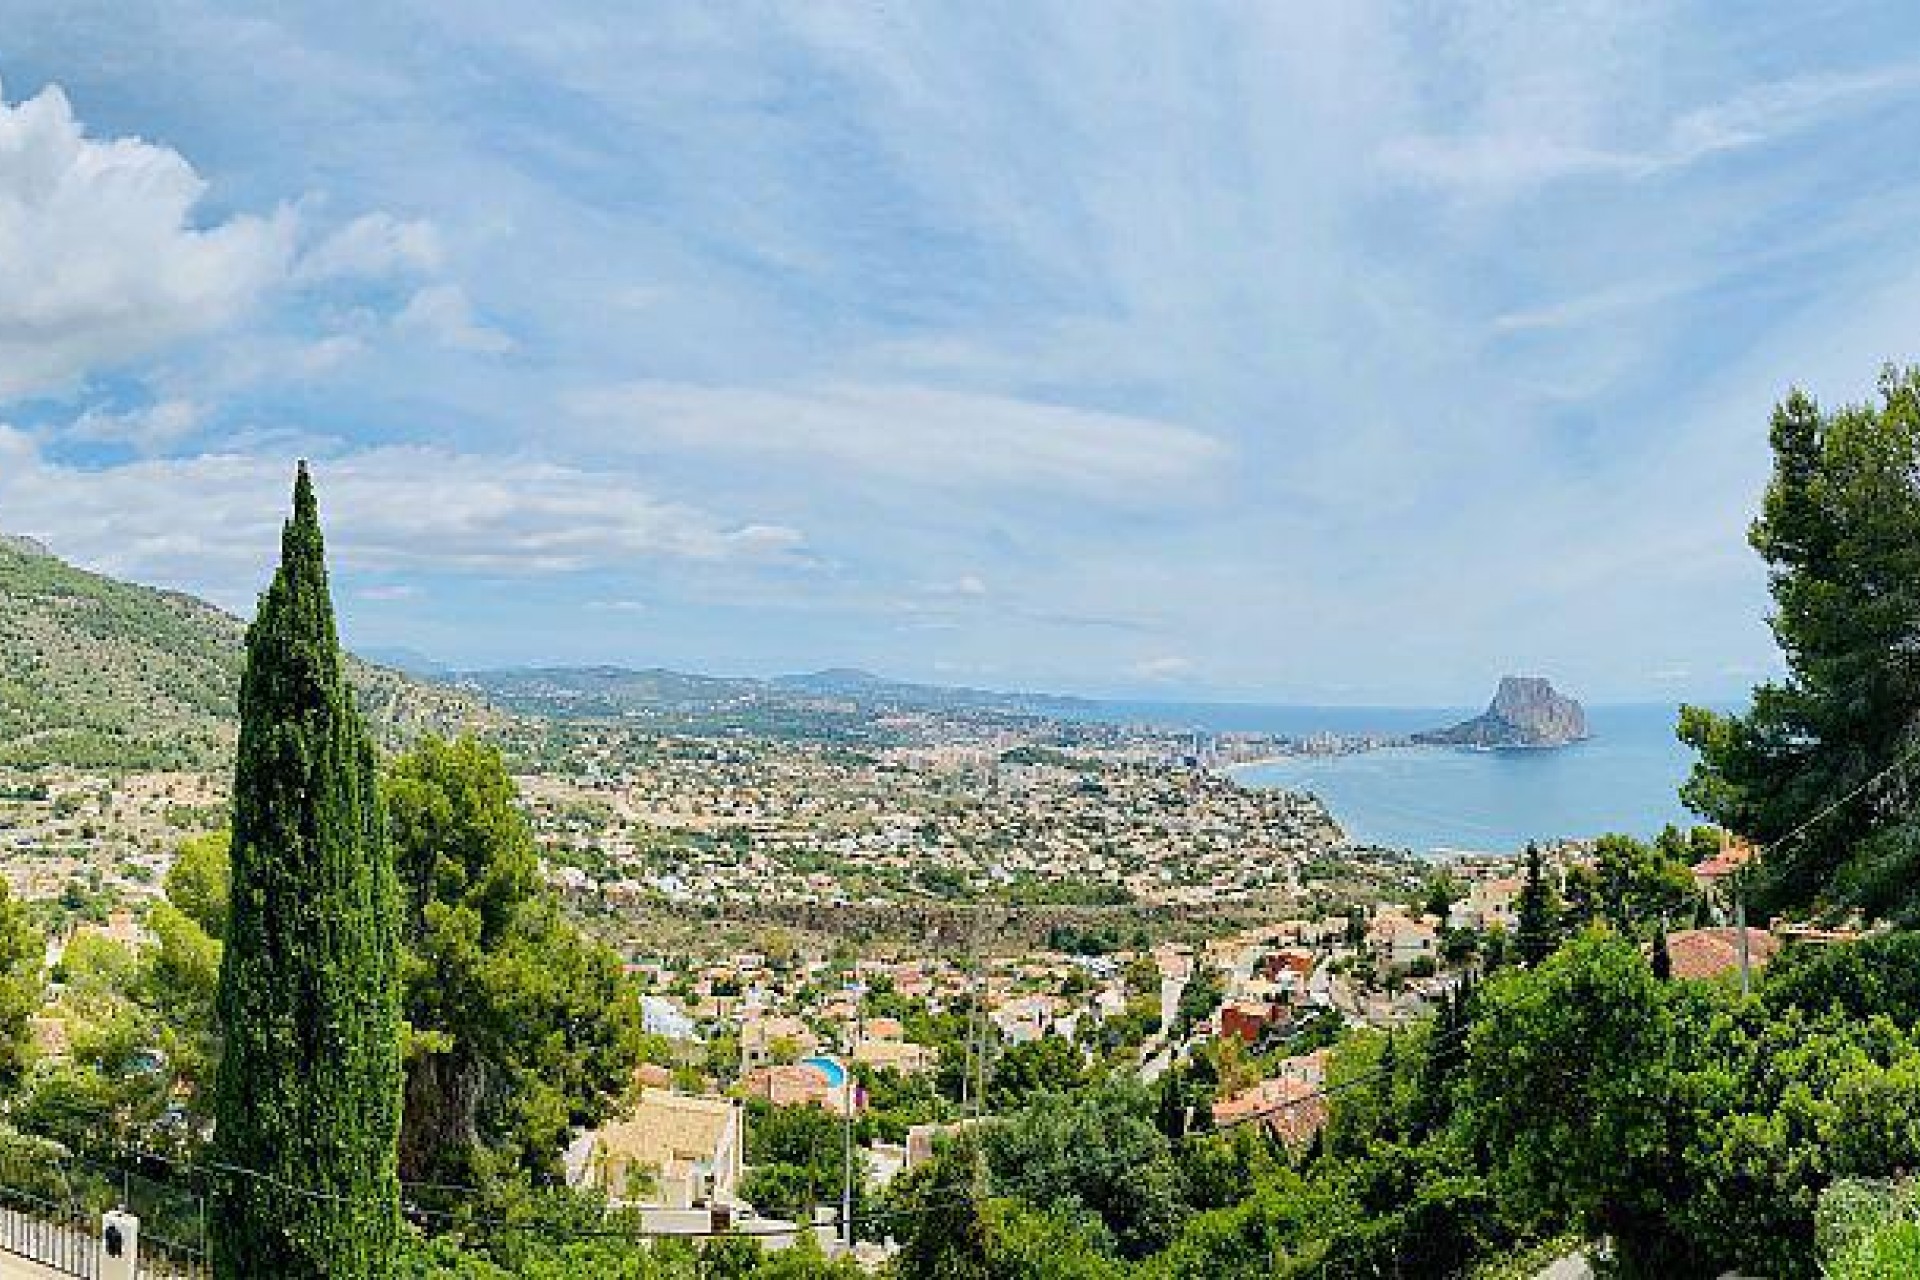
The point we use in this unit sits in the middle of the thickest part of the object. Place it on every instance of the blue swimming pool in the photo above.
(835, 1073)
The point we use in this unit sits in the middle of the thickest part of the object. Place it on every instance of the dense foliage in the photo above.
(521, 1030)
(1580, 1099)
(22, 985)
(1814, 771)
(308, 1088)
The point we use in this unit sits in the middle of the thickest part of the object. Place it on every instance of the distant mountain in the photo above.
(865, 687)
(101, 674)
(1526, 712)
(832, 703)
(410, 662)
(602, 691)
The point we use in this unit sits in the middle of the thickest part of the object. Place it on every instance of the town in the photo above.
(904, 939)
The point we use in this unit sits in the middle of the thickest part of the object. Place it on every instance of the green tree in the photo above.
(1839, 529)
(1573, 1087)
(1094, 1158)
(521, 1029)
(23, 956)
(1638, 882)
(308, 1090)
(1537, 931)
(1142, 975)
(1662, 960)
(1049, 1064)
(941, 1216)
(1205, 988)
(798, 1159)
(198, 881)
(1439, 893)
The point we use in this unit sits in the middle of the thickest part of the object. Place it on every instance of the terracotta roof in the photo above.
(1724, 863)
(1708, 953)
(792, 1084)
(1292, 1110)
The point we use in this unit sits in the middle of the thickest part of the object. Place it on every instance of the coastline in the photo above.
(1623, 776)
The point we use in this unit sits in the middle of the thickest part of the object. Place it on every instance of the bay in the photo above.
(1625, 777)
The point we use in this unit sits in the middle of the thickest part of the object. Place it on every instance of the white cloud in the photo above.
(372, 246)
(101, 260)
(443, 313)
(388, 592)
(617, 606)
(211, 522)
(148, 430)
(1524, 153)
(919, 435)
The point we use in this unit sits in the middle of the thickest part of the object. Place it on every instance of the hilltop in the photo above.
(1526, 711)
(96, 673)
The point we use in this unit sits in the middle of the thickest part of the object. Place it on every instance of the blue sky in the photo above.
(1338, 352)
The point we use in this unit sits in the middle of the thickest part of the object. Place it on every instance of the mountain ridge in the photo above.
(100, 673)
(611, 690)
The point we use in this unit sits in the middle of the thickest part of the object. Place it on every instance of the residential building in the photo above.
(1288, 1108)
(673, 1151)
(1398, 940)
(1709, 953)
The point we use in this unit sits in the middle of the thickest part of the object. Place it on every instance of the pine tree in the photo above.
(308, 1094)
(1534, 938)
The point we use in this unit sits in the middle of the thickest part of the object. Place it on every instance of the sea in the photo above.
(1442, 800)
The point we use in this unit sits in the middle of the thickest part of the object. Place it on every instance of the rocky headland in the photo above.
(1526, 712)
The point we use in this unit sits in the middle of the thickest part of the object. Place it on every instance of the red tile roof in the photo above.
(1724, 863)
(1290, 1109)
(1708, 953)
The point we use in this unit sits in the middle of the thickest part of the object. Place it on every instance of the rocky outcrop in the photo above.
(1525, 712)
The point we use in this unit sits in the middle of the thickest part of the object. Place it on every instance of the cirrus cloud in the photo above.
(921, 435)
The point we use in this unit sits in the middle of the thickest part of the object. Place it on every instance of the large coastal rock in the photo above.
(1526, 712)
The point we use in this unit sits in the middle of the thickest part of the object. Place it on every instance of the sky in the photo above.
(1343, 353)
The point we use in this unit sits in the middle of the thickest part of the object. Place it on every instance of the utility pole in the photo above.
(1740, 920)
(966, 1064)
(986, 1031)
(846, 1084)
(846, 1178)
(986, 1035)
(1740, 933)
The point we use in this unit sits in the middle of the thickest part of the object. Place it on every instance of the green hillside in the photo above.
(101, 674)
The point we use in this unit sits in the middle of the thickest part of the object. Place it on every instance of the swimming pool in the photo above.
(835, 1073)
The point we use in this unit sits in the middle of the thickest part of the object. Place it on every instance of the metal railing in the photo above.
(51, 1205)
(56, 1236)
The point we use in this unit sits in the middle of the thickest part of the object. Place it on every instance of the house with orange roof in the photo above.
(1286, 1107)
(1733, 856)
(1710, 953)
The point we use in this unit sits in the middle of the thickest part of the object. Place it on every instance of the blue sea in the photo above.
(1431, 799)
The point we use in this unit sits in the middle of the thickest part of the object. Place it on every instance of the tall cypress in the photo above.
(307, 1101)
(1536, 938)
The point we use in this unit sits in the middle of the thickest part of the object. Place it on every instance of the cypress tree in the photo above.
(1534, 938)
(1662, 957)
(307, 1101)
